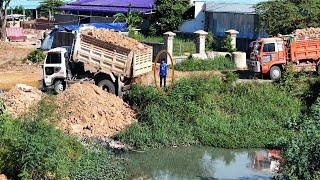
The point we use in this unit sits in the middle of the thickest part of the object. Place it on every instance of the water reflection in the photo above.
(199, 163)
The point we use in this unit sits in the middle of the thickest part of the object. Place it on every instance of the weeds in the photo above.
(208, 111)
(36, 56)
(218, 63)
(31, 148)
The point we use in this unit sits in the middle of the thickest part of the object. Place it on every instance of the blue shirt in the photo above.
(163, 69)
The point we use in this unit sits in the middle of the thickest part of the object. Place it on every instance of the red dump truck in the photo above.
(270, 56)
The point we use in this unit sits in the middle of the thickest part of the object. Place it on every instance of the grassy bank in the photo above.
(181, 45)
(211, 112)
(218, 63)
(32, 148)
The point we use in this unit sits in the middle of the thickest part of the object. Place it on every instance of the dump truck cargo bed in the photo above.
(112, 58)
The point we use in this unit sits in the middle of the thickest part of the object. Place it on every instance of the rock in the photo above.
(24, 87)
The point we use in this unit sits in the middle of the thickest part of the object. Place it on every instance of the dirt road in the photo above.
(13, 70)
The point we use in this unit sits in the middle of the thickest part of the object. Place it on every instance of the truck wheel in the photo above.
(108, 86)
(275, 73)
(59, 86)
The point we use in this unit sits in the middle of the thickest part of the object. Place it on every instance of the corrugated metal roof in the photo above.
(110, 5)
(230, 8)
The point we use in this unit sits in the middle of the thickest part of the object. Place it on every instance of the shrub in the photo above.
(31, 148)
(36, 56)
(210, 42)
(218, 63)
(227, 45)
(302, 151)
(208, 111)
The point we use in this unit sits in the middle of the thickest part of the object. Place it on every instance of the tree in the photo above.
(49, 7)
(132, 18)
(284, 16)
(4, 4)
(169, 14)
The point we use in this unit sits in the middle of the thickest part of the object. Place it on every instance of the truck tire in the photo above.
(58, 86)
(275, 73)
(108, 86)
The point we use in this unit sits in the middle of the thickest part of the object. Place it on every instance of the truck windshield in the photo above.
(53, 58)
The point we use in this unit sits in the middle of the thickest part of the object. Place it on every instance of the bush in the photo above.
(30, 148)
(208, 111)
(302, 151)
(218, 63)
(210, 42)
(227, 45)
(36, 56)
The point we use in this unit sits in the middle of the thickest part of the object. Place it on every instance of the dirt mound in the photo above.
(20, 98)
(309, 32)
(115, 38)
(89, 111)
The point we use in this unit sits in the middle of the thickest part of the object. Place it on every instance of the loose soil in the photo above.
(89, 111)
(309, 32)
(116, 38)
(13, 51)
(19, 99)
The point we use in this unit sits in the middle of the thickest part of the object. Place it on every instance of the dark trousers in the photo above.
(164, 80)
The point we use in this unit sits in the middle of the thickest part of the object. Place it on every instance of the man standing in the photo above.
(163, 73)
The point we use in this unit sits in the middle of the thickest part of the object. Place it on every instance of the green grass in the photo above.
(208, 111)
(180, 45)
(32, 148)
(218, 63)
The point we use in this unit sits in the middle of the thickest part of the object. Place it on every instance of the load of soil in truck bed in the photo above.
(89, 111)
(115, 38)
(309, 32)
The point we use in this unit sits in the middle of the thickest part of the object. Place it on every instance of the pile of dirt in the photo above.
(309, 32)
(20, 98)
(116, 38)
(89, 111)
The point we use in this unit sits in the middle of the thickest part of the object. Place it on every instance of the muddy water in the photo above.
(199, 163)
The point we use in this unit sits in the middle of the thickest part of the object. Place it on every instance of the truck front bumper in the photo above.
(254, 66)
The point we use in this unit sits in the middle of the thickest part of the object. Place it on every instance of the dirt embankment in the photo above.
(20, 98)
(85, 109)
(89, 111)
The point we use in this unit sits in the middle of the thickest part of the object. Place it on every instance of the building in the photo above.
(218, 16)
(107, 7)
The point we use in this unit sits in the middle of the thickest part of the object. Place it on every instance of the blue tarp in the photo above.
(114, 26)
(49, 41)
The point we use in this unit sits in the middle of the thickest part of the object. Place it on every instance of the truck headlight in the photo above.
(57, 69)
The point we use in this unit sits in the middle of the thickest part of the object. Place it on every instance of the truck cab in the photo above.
(268, 57)
(55, 68)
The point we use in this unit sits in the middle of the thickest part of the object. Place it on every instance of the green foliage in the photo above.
(132, 18)
(284, 16)
(31, 148)
(302, 151)
(18, 9)
(210, 42)
(227, 45)
(218, 63)
(180, 44)
(169, 14)
(36, 56)
(47, 6)
(208, 111)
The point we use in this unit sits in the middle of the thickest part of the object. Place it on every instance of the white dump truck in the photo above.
(111, 65)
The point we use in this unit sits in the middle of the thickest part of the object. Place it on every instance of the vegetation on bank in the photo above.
(181, 45)
(32, 148)
(209, 111)
(302, 151)
(218, 63)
